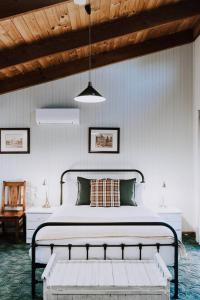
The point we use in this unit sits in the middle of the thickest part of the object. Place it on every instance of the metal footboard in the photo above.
(87, 246)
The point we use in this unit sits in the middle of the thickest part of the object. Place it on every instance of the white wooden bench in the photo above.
(106, 279)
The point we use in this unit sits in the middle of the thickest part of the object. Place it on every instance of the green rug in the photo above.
(15, 272)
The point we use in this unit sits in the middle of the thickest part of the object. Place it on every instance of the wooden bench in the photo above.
(106, 279)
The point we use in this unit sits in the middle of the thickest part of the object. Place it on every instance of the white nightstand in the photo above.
(34, 217)
(172, 216)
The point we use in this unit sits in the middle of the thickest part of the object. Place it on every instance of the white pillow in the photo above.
(70, 192)
(139, 193)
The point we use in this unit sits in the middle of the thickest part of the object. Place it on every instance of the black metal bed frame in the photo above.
(87, 246)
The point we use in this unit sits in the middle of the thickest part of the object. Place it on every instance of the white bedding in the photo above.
(102, 214)
(104, 234)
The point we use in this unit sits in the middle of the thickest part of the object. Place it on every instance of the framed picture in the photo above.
(14, 140)
(104, 140)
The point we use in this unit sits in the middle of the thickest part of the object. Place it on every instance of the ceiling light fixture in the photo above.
(89, 95)
(80, 2)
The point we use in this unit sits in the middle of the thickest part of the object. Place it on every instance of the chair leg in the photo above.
(24, 227)
(17, 227)
(3, 228)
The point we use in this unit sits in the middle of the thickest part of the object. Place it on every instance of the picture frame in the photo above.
(14, 140)
(104, 140)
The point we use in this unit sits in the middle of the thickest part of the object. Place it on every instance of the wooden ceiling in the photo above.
(45, 40)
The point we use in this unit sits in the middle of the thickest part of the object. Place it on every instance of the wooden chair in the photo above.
(13, 205)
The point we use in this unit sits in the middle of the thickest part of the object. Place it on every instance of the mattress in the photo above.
(98, 235)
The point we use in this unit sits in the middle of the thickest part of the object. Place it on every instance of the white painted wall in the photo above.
(196, 131)
(149, 98)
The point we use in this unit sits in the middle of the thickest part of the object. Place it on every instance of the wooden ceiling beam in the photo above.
(196, 29)
(12, 8)
(99, 60)
(108, 30)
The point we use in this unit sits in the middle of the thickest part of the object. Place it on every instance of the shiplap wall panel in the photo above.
(196, 132)
(149, 98)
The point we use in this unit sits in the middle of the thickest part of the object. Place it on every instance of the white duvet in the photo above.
(89, 214)
(98, 235)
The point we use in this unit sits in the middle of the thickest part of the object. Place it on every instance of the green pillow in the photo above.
(83, 191)
(127, 192)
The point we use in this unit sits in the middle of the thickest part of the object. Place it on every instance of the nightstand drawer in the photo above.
(34, 217)
(176, 224)
(173, 219)
(34, 225)
(34, 220)
(37, 217)
(170, 217)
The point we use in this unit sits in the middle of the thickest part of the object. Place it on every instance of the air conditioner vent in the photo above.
(57, 116)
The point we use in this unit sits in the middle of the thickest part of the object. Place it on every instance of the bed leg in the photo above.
(33, 281)
(175, 284)
(33, 275)
(176, 270)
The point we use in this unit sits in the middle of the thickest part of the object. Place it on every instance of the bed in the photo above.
(83, 232)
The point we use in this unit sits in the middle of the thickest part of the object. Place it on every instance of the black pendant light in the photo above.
(89, 95)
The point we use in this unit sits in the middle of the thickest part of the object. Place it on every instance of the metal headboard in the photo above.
(96, 171)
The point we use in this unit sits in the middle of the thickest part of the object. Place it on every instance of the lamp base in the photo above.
(46, 204)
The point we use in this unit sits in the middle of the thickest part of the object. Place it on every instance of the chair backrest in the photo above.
(13, 196)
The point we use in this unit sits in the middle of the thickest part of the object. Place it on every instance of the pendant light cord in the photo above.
(88, 10)
(90, 49)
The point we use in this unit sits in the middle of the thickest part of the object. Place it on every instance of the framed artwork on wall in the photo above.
(104, 140)
(14, 140)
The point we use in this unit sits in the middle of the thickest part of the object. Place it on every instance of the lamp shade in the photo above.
(90, 95)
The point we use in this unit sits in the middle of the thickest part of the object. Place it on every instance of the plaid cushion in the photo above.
(104, 192)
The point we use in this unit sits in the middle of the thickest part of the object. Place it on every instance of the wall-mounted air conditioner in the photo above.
(57, 116)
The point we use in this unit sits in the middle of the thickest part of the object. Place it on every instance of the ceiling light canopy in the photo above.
(89, 95)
